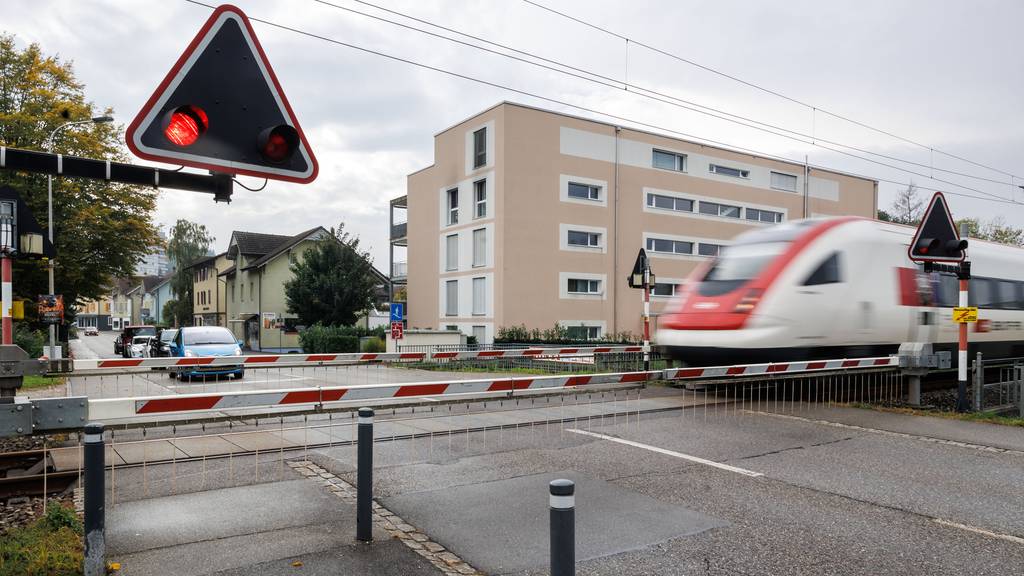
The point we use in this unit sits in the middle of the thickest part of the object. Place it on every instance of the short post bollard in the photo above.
(563, 527)
(364, 477)
(95, 491)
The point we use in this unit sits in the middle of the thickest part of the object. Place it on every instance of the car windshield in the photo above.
(142, 331)
(140, 340)
(168, 335)
(738, 264)
(212, 335)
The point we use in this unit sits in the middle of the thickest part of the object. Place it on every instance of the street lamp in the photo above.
(49, 207)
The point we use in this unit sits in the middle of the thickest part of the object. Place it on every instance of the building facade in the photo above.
(534, 217)
(156, 262)
(209, 291)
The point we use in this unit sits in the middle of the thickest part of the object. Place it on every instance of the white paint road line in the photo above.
(982, 531)
(695, 459)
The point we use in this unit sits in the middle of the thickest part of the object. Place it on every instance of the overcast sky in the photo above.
(941, 73)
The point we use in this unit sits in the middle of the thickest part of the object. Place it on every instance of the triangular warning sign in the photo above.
(636, 277)
(222, 108)
(937, 239)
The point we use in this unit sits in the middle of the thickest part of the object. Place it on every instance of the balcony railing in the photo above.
(398, 230)
(399, 269)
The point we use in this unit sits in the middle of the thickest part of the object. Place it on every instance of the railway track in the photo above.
(28, 473)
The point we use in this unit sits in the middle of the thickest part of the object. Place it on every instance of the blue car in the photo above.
(206, 341)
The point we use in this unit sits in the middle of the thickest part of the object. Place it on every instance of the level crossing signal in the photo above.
(937, 239)
(222, 108)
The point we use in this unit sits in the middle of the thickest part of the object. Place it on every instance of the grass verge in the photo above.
(35, 381)
(50, 546)
(986, 417)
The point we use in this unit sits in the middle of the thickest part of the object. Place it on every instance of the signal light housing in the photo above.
(278, 144)
(185, 124)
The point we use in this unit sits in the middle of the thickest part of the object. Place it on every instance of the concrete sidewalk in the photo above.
(263, 529)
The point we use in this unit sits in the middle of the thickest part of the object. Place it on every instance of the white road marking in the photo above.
(982, 531)
(695, 459)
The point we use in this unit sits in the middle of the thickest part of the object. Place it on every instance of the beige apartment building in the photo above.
(534, 217)
(209, 293)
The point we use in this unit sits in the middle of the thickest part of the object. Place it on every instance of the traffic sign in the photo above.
(965, 314)
(937, 239)
(397, 331)
(636, 277)
(221, 108)
(397, 311)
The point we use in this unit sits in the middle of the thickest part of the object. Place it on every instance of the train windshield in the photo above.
(738, 264)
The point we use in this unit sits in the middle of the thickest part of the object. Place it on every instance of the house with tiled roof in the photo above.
(257, 268)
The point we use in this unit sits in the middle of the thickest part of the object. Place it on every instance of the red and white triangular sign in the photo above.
(937, 239)
(221, 108)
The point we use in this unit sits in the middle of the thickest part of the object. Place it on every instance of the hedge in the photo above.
(320, 339)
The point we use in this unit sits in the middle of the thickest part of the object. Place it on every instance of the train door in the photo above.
(820, 296)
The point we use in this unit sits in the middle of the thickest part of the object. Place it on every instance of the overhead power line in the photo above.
(627, 120)
(769, 90)
(614, 83)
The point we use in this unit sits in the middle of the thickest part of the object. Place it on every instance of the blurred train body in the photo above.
(837, 288)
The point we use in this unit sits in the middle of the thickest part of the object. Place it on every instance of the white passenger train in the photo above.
(838, 288)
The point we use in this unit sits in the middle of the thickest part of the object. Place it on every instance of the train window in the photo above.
(827, 272)
(980, 292)
(736, 265)
(1006, 296)
(949, 290)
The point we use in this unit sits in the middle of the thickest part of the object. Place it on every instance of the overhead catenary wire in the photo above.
(699, 139)
(770, 91)
(624, 85)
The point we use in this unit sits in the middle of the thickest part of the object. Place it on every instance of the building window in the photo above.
(669, 161)
(251, 292)
(583, 332)
(479, 296)
(716, 209)
(232, 292)
(586, 239)
(782, 181)
(706, 249)
(763, 215)
(584, 191)
(480, 247)
(728, 171)
(451, 252)
(581, 286)
(453, 206)
(664, 289)
(480, 195)
(451, 301)
(480, 148)
(669, 203)
(669, 246)
(480, 333)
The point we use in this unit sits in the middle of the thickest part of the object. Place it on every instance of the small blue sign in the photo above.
(397, 311)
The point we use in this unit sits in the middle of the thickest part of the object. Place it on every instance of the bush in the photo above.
(320, 339)
(556, 335)
(374, 345)
(51, 546)
(31, 341)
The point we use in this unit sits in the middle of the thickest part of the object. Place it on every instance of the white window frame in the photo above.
(651, 203)
(649, 240)
(563, 286)
(449, 254)
(601, 325)
(796, 181)
(563, 190)
(593, 192)
(696, 241)
(563, 238)
(780, 217)
(452, 211)
(479, 254)
(478, 203)
(715, 255)
(723, 170)
(479, 305)
(680, 160)
(476, 154)
(449, 301)
(739, 209)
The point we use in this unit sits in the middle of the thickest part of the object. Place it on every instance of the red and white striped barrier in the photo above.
(268, 360)
(777, 368)
(116, 408)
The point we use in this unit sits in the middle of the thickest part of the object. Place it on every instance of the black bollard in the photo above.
(563, 528)
(364, 477)
(95, 491)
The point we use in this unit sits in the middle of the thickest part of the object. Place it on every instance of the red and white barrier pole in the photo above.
(964, 274)
(647, 318)
(5, 275)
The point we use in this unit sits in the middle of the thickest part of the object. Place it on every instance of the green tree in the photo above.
(188, 243)
(101, 230)
(333, 282)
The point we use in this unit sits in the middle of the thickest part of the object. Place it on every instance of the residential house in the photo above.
(95, 312)
(209, 294)
(257, 308)
(121, 303)
(157, 297)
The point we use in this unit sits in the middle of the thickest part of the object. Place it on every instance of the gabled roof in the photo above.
(205, 260)
(229, 272)
(254, 243)
(151, 282)
(286, 245)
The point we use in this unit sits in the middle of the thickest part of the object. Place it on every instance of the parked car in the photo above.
(123, 341)
(206, 341)
(91, 331)
(161, 345)
(139, 347)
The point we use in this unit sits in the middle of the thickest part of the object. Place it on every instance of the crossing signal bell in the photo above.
(222, 108)
(937, 239)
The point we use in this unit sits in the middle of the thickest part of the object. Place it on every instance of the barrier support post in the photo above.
(95, 509)
(364, 477)
(563, 527)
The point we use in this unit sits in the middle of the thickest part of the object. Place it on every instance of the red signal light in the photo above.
(185, 125)
(277, 144)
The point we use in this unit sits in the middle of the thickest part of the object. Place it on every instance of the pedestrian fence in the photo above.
(998, 385)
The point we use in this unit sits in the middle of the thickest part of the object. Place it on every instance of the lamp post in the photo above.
(49, 208)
